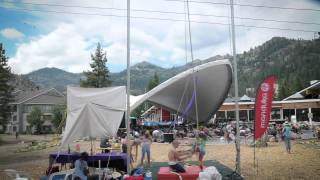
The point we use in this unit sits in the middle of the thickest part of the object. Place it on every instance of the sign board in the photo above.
(263, 106)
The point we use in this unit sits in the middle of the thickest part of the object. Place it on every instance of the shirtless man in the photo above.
(175, 157)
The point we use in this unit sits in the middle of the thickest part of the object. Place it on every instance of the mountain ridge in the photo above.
(293, 61)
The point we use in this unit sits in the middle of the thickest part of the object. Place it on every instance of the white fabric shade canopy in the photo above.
(212, 82)
(93, 112)
(96, 112)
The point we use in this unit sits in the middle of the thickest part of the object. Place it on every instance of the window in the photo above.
(316, 114)
(27, 108)
(14, 128)
(28, 118)
(302, 115)
(47, 108)
(14, 118)
(275, 114)
(288, 113)
(231, 115)
(47, 117)
(243, 115)
(220, 115)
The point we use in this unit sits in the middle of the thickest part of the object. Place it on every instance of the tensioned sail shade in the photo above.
(212, 82)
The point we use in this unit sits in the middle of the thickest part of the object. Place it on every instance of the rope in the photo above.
(185, 32)
(183, 95)
(192, 58)
(186, 56)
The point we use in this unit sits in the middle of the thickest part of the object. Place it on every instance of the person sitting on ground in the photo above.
(81, 167)
(104, 143)
(175, 157)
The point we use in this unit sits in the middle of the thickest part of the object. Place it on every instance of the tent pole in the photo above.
(91, 153)
(236, 87)
(128, 89)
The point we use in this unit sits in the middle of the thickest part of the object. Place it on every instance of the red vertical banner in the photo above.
(263, 105)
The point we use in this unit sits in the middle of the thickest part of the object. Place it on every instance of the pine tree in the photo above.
(5, 89)
(283, 89)
(99, 76)
(58, 116)
(35, 120)
(153, 82)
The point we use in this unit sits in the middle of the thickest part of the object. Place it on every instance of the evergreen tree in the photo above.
(35, 120)
(99, 76)
(5, 89)
(58, 116)
(153, 82)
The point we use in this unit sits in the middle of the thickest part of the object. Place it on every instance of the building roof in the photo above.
(244, 98)
(148, 111)
(30, 96)
(305, 93)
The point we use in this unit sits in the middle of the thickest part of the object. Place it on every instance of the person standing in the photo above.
(273, 132)
(17, 134)
(145, 146)
(286, 131)
(202, 147)
(136, 143)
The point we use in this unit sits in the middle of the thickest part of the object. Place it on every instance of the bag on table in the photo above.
(52, 169)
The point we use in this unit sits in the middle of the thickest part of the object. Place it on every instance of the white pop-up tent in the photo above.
(93, 112)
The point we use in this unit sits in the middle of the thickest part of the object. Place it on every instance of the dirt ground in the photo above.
(272, 161)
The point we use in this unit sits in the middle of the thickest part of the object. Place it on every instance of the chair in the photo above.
(63, 175)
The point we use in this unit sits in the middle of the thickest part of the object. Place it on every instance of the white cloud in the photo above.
(62, 48)
(11, 33)
(72, 38)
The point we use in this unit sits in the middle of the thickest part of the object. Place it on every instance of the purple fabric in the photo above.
(69, 158)
(190, 104)
(192, 101)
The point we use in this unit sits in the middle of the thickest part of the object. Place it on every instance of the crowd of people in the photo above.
(143, 138)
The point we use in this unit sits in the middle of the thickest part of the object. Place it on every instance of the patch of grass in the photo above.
(313, 143)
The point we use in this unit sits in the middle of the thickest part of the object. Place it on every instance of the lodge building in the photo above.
(302, 106)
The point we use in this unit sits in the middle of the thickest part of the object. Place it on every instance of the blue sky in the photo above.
(55, 34)
(18, 21)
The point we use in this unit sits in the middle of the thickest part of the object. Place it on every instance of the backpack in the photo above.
(137, 171)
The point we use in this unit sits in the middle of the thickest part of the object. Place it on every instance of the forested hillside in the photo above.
(295, 62)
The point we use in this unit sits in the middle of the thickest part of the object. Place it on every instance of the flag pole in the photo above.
(128, 89)
(236, 88)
